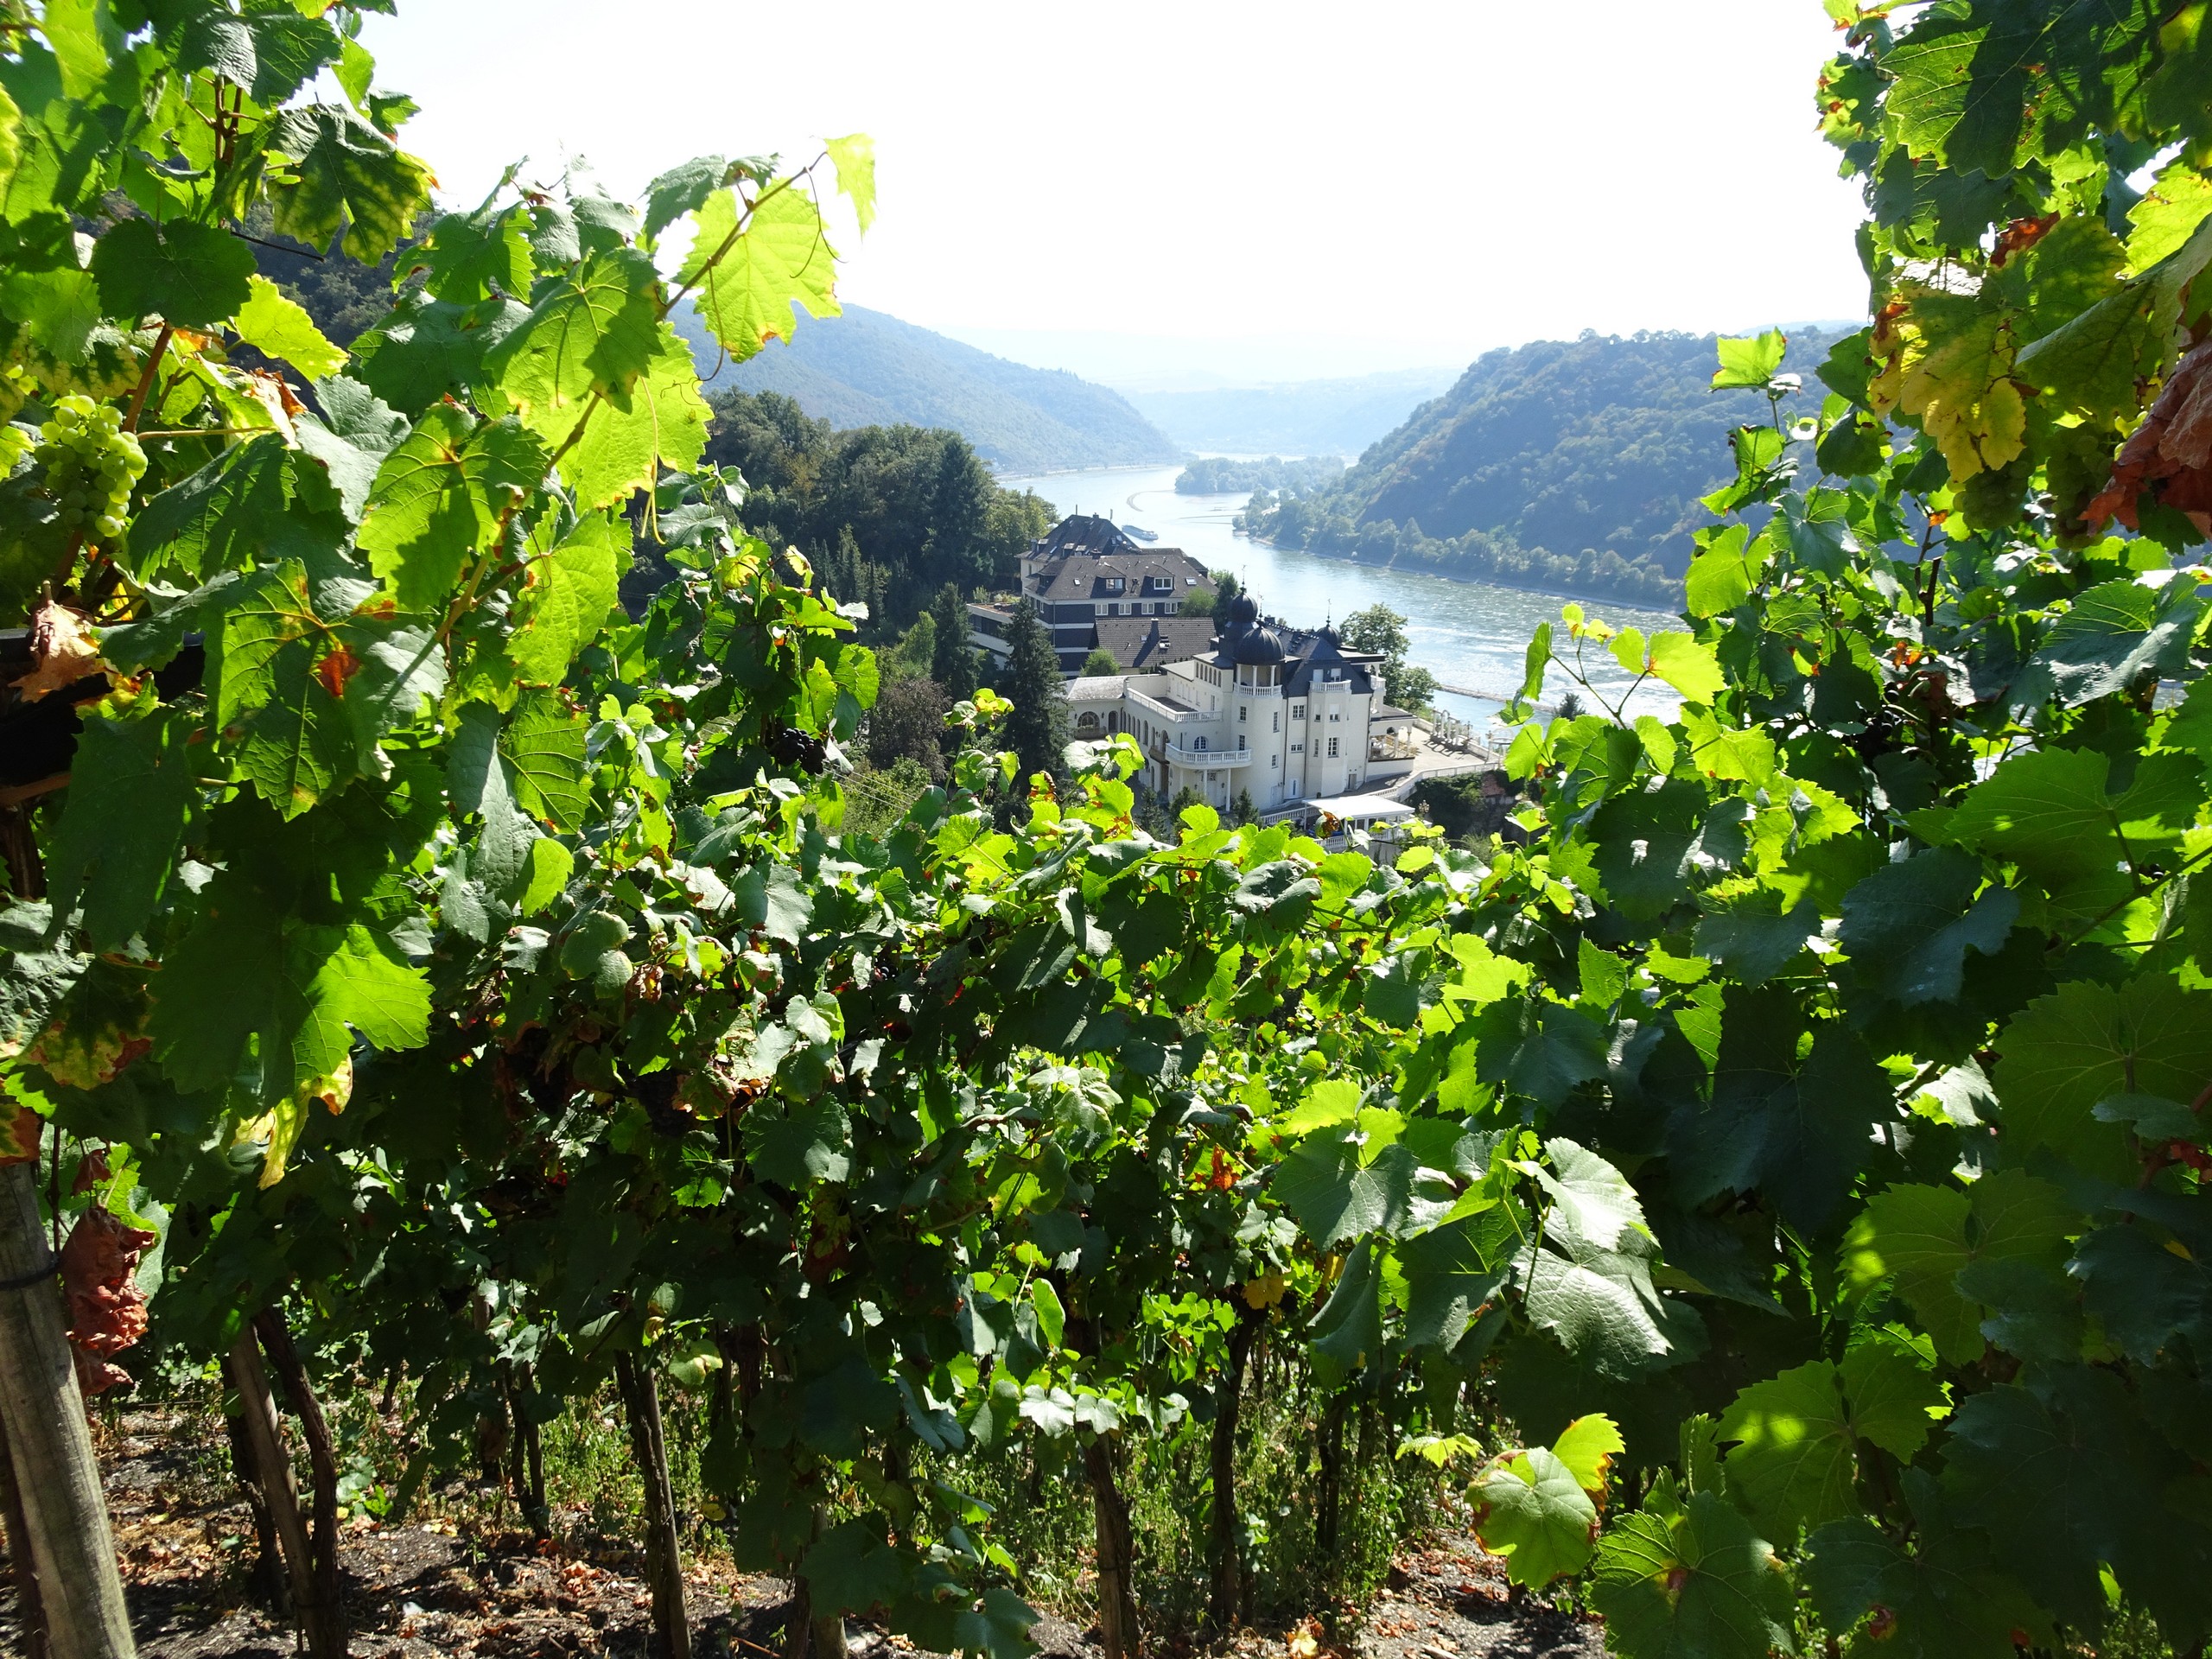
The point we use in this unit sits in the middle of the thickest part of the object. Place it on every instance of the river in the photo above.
(1467, 633)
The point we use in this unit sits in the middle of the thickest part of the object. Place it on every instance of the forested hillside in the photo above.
(889, 513)
(1574, 464)
(866, 368)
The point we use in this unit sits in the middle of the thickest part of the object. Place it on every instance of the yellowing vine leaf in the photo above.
(748, 280)
(1951, 370)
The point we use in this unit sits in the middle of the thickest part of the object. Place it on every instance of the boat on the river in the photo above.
(1142, 534)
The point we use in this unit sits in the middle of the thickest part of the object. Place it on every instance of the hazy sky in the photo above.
(1296, 189)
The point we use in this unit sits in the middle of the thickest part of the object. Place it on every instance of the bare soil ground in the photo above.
(186, 1540)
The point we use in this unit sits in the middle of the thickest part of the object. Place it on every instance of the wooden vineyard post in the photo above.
(274, 1465)
(57, 1476)
(664, 1557)
(1222, 1604)
(1117, 1600)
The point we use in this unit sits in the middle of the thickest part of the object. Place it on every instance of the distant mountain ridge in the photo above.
(1306, 417)
(1563, 464)
(866, 368)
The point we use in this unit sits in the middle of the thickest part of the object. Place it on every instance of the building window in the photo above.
(1298, 748)
(1333, 718)
(1240, 745)
(1273, 762)
(1274, 722)
(1332, 748)
(1242, 711)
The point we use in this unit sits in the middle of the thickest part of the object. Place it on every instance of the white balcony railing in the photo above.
(1177, 754)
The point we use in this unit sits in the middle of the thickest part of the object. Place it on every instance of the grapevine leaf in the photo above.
(343, 175)
(1798, 1130)
(1749, 362)
(190, 275)
(567, 594)
(1347, 1329)
(1794, 1459)
(442, 493)
(2116, 634)
(853, 156)
(217, 519)
(34, 974)
(1941, 1598)
(358, 431)
(769, 899)
(656, 423)
(2143, 1294)
(1453, 1273)
(1917, 1236)
(1336, 1198)
(810, 1143)
(2062, 1474)
(591, 332)
(130, 792)
(1908, 927)
(1592, 1200)
(1698, 1584)
(280, 328)
(2178, 200)
(747, 282)
(1602, 1306)
(429, 348)
(681, 190)
(545, 745)
(271, 54)
(1587, 1447)
(2085, 1043)
(1533, 1511)
(1754, 938)
(471, 256)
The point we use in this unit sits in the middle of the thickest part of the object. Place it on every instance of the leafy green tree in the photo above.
(1101, 661)
(1198, 601)
(1379, 628)
(953, 659)
(908, 720)
(1036, 730)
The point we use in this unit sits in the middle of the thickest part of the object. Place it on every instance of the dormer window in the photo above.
(1112, 584)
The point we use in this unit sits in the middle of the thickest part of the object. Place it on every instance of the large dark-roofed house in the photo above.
(1086, 574)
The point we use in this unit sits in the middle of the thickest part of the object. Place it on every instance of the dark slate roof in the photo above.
(1081, 532)
(1248, 639)
(1145, 643)
(1083, 576)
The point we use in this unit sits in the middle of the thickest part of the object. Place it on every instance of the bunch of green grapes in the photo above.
(92, 464)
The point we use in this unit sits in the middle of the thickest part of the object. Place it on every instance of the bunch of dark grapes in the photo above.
(92, 464)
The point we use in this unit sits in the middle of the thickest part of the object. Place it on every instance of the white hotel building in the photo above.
(1292, 718)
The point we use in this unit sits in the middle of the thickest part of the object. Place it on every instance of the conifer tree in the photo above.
(953, 666)
(1036, 730)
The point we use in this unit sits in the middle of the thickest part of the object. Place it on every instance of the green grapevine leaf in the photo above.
(545, 745)
(1696, 1585)
(280, 328)
(445, 491)
(219, 518)
(1533, 1511)
(1908, 927)
(1347, 1329)
(1941, 1598)
(568, 593)
(130, 793)
(270, 54)
(1749, 362)
(591, 332)
(1454, 1274)
(343, 174)
(1918, 1237)
(2085, 1043)
(657, 422)
(853, 156)
(190, 275)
